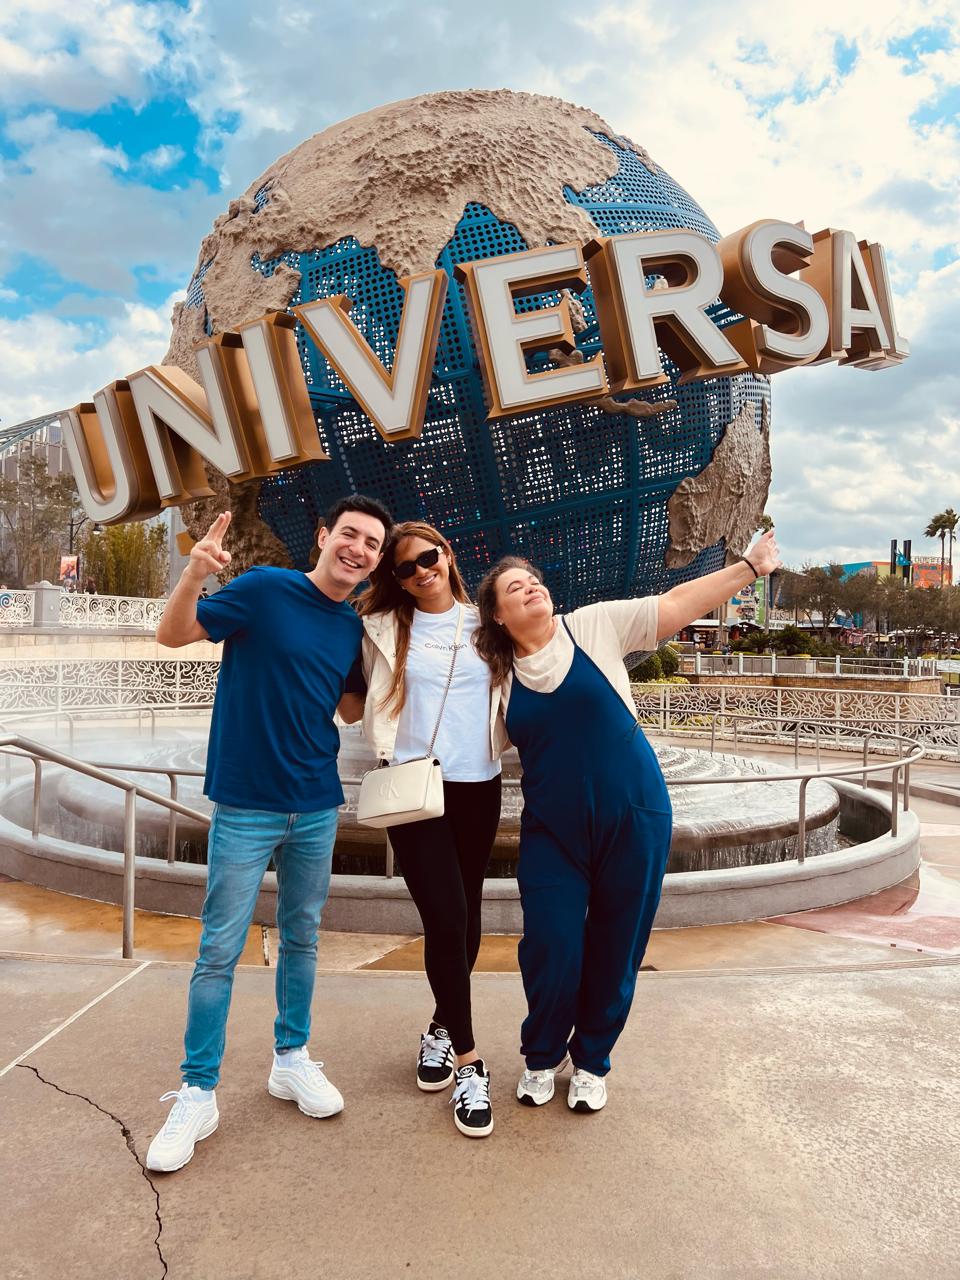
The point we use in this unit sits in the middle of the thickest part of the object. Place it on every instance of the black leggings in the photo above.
(443, 861)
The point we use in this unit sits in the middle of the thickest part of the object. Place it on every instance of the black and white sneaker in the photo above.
(472, 1113)
(435, 1060)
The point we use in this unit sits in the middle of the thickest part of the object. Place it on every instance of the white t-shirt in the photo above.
(607, 631)
(462, 745)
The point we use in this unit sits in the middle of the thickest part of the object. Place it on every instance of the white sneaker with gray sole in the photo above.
(587, 1092)
(193, 1116)
(297, 1078)
(534, 1088)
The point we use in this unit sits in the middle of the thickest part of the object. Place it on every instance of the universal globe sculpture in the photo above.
(447, 178)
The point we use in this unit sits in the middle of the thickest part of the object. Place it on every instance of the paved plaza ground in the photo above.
(785, 1103)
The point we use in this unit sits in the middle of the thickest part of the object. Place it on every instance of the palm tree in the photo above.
(950, 521)
(937, 528)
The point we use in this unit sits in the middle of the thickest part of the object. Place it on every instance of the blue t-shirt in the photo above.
(273, 744)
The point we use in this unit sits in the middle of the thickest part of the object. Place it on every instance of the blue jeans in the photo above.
(239, 849)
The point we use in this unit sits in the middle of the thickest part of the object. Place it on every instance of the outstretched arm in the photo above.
(691, 600)
(179, 625)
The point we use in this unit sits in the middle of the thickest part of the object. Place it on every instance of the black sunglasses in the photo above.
(426, 560)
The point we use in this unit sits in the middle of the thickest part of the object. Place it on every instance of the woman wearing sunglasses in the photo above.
(416, 614)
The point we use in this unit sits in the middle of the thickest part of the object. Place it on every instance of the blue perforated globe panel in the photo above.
(581, 492)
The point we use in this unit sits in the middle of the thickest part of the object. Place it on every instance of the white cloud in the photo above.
(63, 201)
(50, 363)
(82, 55)
(161, 158)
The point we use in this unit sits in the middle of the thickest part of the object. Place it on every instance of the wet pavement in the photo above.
(777, 1124)
(784, 1104)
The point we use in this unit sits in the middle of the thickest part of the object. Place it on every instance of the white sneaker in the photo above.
(298, 1079)
(587, 1092)
(534, 1088)
(193, 1116)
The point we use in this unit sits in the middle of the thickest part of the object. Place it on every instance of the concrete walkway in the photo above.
(768, 1123)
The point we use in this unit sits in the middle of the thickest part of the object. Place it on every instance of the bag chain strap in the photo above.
(443, 700)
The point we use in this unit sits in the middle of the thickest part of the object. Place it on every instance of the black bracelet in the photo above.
(752, 569)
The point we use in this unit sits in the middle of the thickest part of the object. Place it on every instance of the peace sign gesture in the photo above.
(207, 555)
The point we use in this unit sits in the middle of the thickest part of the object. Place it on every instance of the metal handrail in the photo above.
(13, 744)
(16, 746)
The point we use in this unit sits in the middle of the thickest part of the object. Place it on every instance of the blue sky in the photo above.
(127, 128)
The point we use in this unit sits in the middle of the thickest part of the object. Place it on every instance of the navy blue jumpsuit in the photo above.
(594, 839)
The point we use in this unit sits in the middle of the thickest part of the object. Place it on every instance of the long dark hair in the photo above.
(386, 595)
(492, 641)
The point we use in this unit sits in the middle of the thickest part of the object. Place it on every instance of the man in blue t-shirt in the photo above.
(290, 641)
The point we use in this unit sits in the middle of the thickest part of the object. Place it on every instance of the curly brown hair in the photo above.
(491, 640)
(386, 595)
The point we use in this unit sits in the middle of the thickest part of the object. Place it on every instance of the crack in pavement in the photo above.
(131, 1147)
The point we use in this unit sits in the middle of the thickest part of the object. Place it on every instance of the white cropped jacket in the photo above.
(379, 660)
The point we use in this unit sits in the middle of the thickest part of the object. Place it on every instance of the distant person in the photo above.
(291, 639)
(596, 825)
(90, 587)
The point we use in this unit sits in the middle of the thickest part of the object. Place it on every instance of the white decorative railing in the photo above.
(931, 719)
(767, 664)
(109, 613)
(16, 608)
(107, 684)
(95, 684)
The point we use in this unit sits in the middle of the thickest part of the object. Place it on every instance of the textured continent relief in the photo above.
(727, 498)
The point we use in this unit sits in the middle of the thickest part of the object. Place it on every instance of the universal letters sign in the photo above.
(805, 299)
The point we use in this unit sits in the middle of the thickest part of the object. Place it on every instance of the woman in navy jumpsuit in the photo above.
(596, 824)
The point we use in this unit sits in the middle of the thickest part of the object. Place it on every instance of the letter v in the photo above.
(396, 401)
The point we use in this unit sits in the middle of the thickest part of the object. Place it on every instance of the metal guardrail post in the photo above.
(773, 664)
(172, 824)
(129, 870)
(696, 663)
(895, 806)
(836, 665)
(802, 823)
(389, 865)
(866, 748)
(37, 785)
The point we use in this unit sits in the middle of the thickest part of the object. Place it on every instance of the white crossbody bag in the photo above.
(391, 795)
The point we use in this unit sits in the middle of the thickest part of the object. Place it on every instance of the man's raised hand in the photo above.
(208, 556)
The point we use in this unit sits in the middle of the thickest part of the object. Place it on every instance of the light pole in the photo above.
(73, 527)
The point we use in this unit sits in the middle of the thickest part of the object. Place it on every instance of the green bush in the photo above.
(669, 660)
(649, 669)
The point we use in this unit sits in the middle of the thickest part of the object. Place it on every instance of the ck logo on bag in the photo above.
(387, 791)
